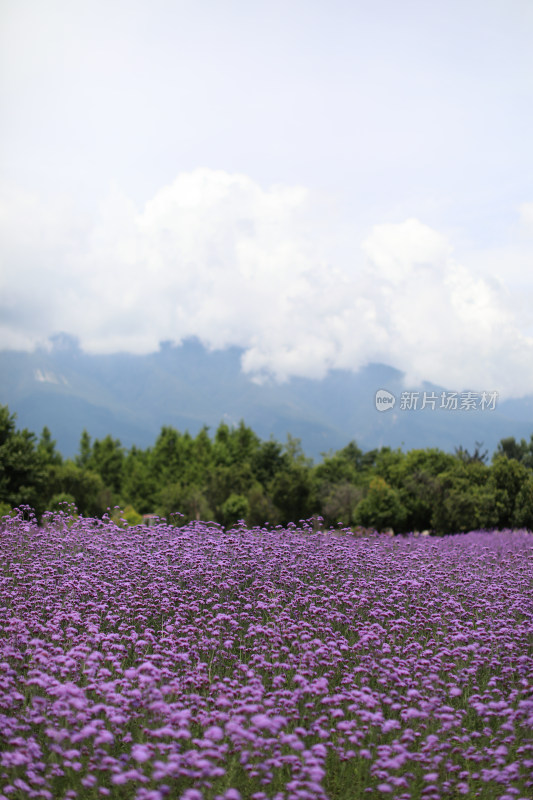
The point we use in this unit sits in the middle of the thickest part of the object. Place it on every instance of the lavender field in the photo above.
(195, 663)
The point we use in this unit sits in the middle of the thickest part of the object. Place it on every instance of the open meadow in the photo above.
(195, 663)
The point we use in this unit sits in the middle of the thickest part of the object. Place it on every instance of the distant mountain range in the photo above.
(132, 397)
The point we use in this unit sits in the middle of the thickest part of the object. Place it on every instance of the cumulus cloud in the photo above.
(217, 256)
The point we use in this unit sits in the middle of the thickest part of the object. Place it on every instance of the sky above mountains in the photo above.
(323, 185)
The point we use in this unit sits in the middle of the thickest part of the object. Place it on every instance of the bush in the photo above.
(236, 507)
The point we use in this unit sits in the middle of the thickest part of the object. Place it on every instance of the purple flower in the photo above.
(140, 752)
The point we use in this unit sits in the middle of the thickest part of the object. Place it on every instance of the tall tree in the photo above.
(268, 460)
(464, 499)
(107, 460)
(46, 448)
(507, 477)
(520, 451)
(22, 469)
(170, 455)
(138, 485)
(381, 507)
(85, 451)
(91, 496)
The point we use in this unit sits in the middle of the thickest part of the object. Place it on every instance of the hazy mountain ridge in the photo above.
(131, 397)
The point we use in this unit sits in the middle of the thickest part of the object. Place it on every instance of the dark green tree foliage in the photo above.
(107, 459)
(340, 483)
(464, 500)
(104, 458)
(91, 496)
(22, 467)
(200, 456)
(235, 508)
(47, 448)
(138, 487)
(188, 500)
(62, 502)
(292, 489)
(239, 445)
(84, 456)
(518, 451)
(523, 508)
(231, 471)
(339, 502)
(234, 475)
(336, 469)
(221, 481)
(262, 508)
(381, 507)
(478, 455)
(221, 446)
(507, 478)
(353, 455)
(268, 460)
(387, 463)
(169, 457)
(416, 478)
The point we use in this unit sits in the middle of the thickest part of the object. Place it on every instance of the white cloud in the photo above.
(526, 218)
(400, 252)
(217, 256)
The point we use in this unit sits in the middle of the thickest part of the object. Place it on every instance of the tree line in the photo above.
(234, 475)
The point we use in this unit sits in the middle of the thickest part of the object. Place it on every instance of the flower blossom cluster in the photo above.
(201, 664)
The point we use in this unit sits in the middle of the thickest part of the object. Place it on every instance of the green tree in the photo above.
(340, 501)
(22, 470)
(62, 502)
(523, 508)
(464, 500)
(336, 469)
(387, 464)
(478, 455)
(353, 455)
(107, 459)
(222, 481)
(85, 451)
(244, 443)
(416, 478)
(46, 448)
(521, 451)
(292, 492)
(200, 458)
(170, 456)
(507, 477)
(235, 508)
(381, 507)
(138, 485)
(268, 460)
(87, 488)
(189, 500)
(295, 453)
(261, 507)
(222, 454)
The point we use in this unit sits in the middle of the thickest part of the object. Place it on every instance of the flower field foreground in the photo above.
(195, 663)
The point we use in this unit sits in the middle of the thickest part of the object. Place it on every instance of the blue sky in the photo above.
(322, 184)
